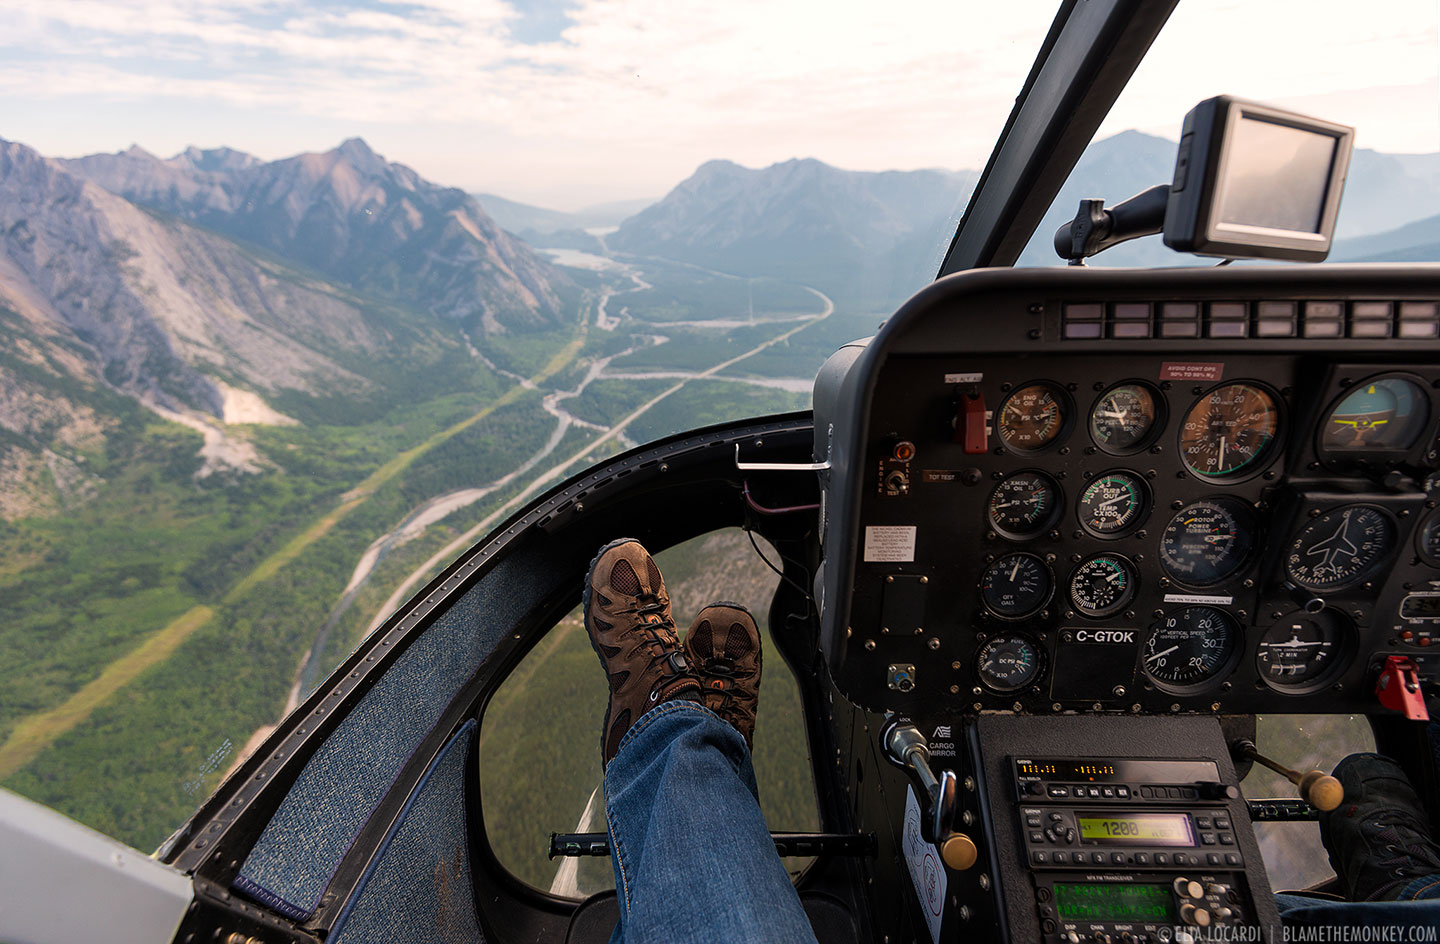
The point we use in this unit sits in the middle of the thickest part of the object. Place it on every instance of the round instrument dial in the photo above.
(1125, 417)
(1208, 541)
(1008, 663)
(1385, 415)
(1429, 541)
(1102, 585)
(1340, 548)
(1302, 650)
(1191, 647)
(1032, 417)
(1016, 586)
(1024, 504)
(1228, 430)
(1113, 504)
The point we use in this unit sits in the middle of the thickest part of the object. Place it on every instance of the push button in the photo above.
(1232, 859)
(1227, 839)
(1207, 839)
(1202, 822)
(1037, 836)
(1039, 858)
(1034, 821)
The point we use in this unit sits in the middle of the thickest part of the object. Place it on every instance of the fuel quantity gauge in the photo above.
(1016, 586)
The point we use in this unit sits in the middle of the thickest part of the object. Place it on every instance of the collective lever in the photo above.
(906, 746)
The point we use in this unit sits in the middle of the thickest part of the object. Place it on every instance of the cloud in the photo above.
(629, 88)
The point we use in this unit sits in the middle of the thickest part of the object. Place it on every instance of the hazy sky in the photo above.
(570, 102)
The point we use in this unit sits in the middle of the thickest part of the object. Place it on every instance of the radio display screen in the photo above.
(1093, 901)
(1137, 829)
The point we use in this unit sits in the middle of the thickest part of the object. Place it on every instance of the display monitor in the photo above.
(1253, 181)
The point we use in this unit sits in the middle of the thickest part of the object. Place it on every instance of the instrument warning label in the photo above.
(890, 543)
(926, 872)
(1181, 370)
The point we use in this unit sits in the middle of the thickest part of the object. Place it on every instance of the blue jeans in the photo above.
(693, 857)
(694, 863)
(1417, 907)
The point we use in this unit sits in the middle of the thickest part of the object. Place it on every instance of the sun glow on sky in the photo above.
(571, 102)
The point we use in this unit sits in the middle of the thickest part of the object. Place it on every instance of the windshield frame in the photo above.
(1087, 59)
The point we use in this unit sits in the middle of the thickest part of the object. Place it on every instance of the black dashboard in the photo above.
(1184, 491)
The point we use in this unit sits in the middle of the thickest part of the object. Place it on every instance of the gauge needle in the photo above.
(1217, 538)
(1222, 452)
(1118, 498)
(1113, 414)
(1160, 654)
(1015, 570)
(1113, 576)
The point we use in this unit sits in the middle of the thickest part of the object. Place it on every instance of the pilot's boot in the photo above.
(1379, 836)
(627, 614)
(723, 648)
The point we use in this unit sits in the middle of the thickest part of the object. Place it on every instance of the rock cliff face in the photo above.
(106, 305)
(354, 218)
(156, 308)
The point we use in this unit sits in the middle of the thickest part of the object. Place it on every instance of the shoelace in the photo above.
(673, 658)
(1408, 859)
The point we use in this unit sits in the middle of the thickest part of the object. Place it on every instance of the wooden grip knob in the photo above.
(1321, 790)
(959, 852)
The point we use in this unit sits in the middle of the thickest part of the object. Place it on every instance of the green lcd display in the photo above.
(1136, 829)
(1099, 902)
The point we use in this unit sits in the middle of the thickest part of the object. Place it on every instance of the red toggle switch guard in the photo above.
(1399, 688)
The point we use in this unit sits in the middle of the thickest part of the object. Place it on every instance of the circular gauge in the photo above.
(1385, 415)
(1341, 547)
(1024, 504)
(1302, 650)
(1113, 504)
(1123, 420)
(1429, 540)
(1102, 585)
(1228, 430)
(1191, 647)
(1208, 541)
(1016, 586)
(1008, 663)
(1032, 417)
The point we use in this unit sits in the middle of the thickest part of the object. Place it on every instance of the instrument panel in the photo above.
(1226, 532)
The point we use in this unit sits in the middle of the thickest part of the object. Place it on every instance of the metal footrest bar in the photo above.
(786, 844)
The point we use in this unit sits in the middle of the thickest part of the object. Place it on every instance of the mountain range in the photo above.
(861, 234)
(210, 285)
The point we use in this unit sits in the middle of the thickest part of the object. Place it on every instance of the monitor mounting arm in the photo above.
(1096, 228)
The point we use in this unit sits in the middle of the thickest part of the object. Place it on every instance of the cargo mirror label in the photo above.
(890, 543)
(1183, 370)
(923, 861)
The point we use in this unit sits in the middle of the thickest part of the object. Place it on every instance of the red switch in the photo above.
(1399, 688)
(970, 424)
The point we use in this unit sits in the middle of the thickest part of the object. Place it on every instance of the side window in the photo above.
(540, 737)
(1294, 856)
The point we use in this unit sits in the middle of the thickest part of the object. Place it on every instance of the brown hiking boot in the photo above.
(723, 648)
(627, 614)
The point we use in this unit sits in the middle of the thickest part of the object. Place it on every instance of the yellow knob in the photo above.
(959, 851)
(1321, 790)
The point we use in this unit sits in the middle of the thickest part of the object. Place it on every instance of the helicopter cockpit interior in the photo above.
(1048, 544)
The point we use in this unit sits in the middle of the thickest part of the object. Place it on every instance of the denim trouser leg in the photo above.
(1417, 907)
(693, 857)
